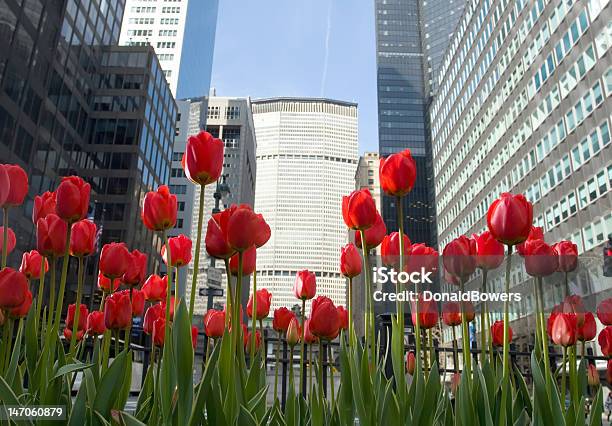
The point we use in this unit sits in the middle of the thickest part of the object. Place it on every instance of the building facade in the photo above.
(161, 24)
(306, 161)
(231, 120)
(523, 106)
(72, 104)
(410, 38)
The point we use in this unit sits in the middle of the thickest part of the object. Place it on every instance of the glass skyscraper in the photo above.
(410, 39)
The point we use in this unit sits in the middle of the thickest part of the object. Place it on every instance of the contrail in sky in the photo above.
(326, 59)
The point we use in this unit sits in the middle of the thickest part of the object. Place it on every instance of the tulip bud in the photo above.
(51, 235)
(245, 228)
(374, 235)
(282, 318)
(497, 331)
(489, 251)
(83, 312)
(17, 188)
(159, 209)
(350, 261)
(5, 185)
(592, 375)
(214, 323)
(11, 240)
(31, 265)
(155, 288)
(536, 233)
(605, 341)
(455, 382)
(194, 336)
(293, 333)
(410, 363)
(397, 173)
(203, 158)
(68, 334)
(118, 311)
(83, 238)
(564, 329)
(104, 284)
(180, 251)
(72, 199)
(588, 330)
(43, 205)
(159, 330)
(136, 270)
(13, 288)
(509, 218)
(305, 285)
(95, 323)
(421, 257)
(344, 319)
(540, 259)
(459, 257)
(428, 313)
(390, 249)
(451, 314)
(308, 336)
(249, 261)
(324, 318)
(114, 260)
(153, 312)
(359, 210)
(22, 310)
(247, 339)
(215, 241)
(604, 311)
(568, 255)
(264, 300)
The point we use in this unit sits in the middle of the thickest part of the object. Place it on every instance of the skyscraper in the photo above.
(306, 161)
(523, 106)
(231, 120)
(410, 36)
(72, 103)
(161, 24)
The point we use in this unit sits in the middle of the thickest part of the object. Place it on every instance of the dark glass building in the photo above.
(72, 104)
(410, 40)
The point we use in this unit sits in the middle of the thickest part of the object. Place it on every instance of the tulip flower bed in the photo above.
(42, 353)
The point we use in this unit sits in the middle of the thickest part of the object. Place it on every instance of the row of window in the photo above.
(143, 33)
(590, 145)
(167, 33)
(595, 187)
(142, 21)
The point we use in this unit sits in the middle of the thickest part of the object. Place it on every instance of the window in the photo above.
(177, 156)
(591, 145)
(178, 189)
(232, 112)
(180, 206)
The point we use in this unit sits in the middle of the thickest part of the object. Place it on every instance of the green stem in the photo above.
(254, 318)
(538, 332)
(278, 342)
(566, 281)
(432, 353)
(62, 288)
(106, 349)
(563, 374)
(368, 315)
(400, 222)
(291, 380)
(229, 295)
(236, 305)
(196, 260)
(263, 342)
(483, 336)
(77, 306)
(128, 331)
(331, 374)
(543, 335)
(176, 288)
(455, 350)
(467, 354)
(116, 343)
(425, 355)
(41, 295)
(302, 347)
(310, 366)
(573, 376)
(50, 310)
(321, 366)
(506, 362)
(7, 338)
(350, 311)
(5, 237)
(168, 290)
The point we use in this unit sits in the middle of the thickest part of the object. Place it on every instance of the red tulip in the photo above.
(459, 257)
(22, 310)
(114, 260)
(451, 279)
(159, 330)
(249, 262)
(10, 239)
(344, 318)
(604, 311)
(390, 249)
(159, 209)
(153, 312)
(194, 336)
(247, 339)
(117, 311)
(95, 323)
(294, 333)
(588, 330)
(68, 334)
(172, 308)
(43, 206)
(568, 255)
(374, 235)
(308, 336)
(592, 375)
(540, 259)
(31, 264)
(564, 330)
(509, 218)
(203, 158)
(497, 332)
(428, 313)
(72, 199)
(305, 286)
(104, 283)
(421, 257)
(536, 233)
(5, 185)
(216, 242)
(155, 288)
(18, 187)
(214, 323)
(13, 288)
(137, 269)
(489, 251)
(180, 251)
(410, 363)
(609, 372)
(359, 210)
(455, 382)
(324, 318)
(246, 228)
(83, 238)
(264, 299)
(451, 313)
(282, 318)
(573, 305)
(470, 313)
(51, 236)
(605, 341)
(397, 173)
(138, 301)
(350, 261)
(2, 318)
(82, 317)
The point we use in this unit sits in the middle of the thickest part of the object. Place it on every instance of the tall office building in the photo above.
(71, 103)
(231, 120)
(161, 24)
(410, 36)
(306, 161)
(524, 106)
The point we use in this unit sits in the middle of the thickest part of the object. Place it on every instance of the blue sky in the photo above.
(266, 48)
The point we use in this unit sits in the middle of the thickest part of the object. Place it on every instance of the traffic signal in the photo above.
(607, 261)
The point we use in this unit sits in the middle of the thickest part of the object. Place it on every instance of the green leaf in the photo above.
(246, 418)
(106, 394)
(124, 389)
(197, 411)
(70, 368)
(125, 419)
(12, 367)
(78, 414)
(31, 342)
(596, 409)
(6, 393)
(183, 359)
